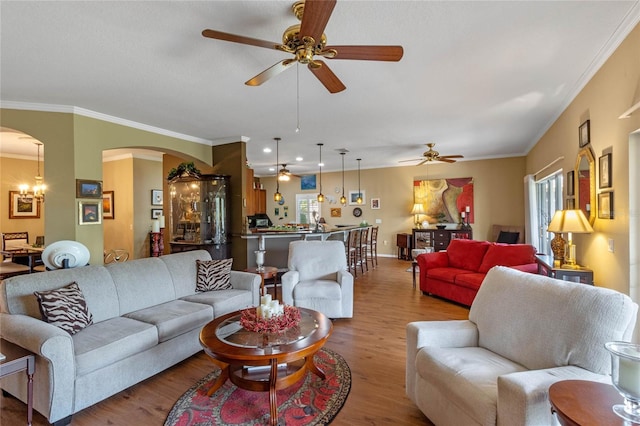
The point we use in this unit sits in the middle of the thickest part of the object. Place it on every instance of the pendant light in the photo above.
(277, 196)
(320, 195)
(343, 199)
(359, 199)
(39, 187)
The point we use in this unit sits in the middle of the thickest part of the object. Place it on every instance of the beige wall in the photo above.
(498, 196)
(118, 232)
(612, 91)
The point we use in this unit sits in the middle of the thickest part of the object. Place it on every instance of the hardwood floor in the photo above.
(372, 342)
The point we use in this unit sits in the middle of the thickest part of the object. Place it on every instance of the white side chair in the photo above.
(318, 278)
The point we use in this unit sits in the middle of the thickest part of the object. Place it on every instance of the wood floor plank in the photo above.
(372, 342)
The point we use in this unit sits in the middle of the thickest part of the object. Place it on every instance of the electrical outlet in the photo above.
(378, 220)
(611, 245)
(385, 242)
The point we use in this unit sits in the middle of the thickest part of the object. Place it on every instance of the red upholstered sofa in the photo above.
(456, 274)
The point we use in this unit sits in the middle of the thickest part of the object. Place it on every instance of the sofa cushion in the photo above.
(174, 318)
(317, 289)
(508, 237)
(183, 270)
(446, 274)
(466, 254)
(507, 255)
(65, 308)
(109, 341)
(468, 376)
(213, 275)
(223, 301)
(510, 300)
(472, 280)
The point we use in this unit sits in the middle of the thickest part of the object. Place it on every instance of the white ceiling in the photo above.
(480, 78)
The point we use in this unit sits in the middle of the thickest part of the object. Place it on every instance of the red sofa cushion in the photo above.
(472, 280)
(507, 255)
(467, 254)
(446, 274)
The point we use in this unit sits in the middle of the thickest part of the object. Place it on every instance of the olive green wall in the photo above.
(612, 91)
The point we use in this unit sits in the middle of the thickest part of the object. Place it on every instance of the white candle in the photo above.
(265, 300)
(629, 376)
(155, 227)
(468, 209)
(462, 214)
(161, 219)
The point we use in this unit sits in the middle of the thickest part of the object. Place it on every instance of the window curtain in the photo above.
(531, 225)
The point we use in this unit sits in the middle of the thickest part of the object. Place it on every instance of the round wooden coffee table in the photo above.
(265, 362)
(585, 403)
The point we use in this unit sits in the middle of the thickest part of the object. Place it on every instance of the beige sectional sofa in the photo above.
(147, 317)
(524, 333)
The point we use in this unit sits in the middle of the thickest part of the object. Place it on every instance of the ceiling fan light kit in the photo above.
(307, 40)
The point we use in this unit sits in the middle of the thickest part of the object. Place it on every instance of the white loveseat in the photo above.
(147, 317)
(524, 333)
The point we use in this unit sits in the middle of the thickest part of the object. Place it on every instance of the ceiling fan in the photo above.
(433, 155)
(284, 174)
(307, 40)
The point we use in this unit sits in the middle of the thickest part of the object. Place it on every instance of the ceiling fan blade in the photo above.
(446, 160)
(422, 162)
(327, 77)
(451, 156)
(219, 35)
(315, 17)
(368, 53)
(270, 72)
(407, 161)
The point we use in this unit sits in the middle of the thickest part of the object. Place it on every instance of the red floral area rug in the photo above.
(310, 401)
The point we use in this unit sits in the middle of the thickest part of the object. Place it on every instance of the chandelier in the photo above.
(37, 191)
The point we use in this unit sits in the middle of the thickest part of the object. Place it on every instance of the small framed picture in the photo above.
(353, 197)
(605, 171)
(584, 132)
(156, 197)
(375, 203)
(88, 188)
(156, 213)
(23, 206)
(89, 212)
(605, 205)
(570, 183)
(108, 208)
(336, 212)
(307, 182)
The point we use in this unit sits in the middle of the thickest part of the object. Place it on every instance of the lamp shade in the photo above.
(417, 209)
(570, 221)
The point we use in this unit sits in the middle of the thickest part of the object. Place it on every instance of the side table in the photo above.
(547, 266)
(584, 403)
(267, 272)
(19, 359)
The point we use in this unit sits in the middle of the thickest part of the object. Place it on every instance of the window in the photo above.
(306, 205)
(548, 200)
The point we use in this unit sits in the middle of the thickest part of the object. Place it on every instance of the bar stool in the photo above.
(372, 247)
(362, 250)
(352, 251)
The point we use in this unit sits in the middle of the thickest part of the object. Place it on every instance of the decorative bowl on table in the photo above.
(625, 375)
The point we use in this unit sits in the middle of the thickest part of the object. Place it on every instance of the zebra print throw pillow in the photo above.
(65, 308)
(213, 275)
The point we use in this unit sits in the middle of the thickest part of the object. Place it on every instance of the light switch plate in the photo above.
(611, 245)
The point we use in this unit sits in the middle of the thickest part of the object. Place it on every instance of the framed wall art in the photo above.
(604, 166)
(353, 197)
(336, 212)
(88, 188)
(89, 212)
(156, 213)
(156, 197)
(307, 182)
(108, 207)
(375, 203)
(444, 200)
(571, 189)
(570, 203)
(605, 205)
(23, 207)
(584, 134)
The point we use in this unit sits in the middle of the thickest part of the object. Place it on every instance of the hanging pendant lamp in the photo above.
(277, 196)
(39, 188)
(359, 199)
(320, 195)
(343, 199)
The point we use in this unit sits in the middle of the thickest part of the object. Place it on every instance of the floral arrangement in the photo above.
(250, 320)
(183, 169)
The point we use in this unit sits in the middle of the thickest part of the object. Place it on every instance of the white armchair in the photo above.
(318, 278)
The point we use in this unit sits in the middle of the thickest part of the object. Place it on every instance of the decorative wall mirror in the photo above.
(585, 184)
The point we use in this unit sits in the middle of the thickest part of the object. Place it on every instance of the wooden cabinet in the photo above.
(438, 239)
(403, 241)
(250, 194)
(260, 201)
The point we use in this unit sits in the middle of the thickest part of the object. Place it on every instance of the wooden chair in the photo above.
(362, 250)
(12, 244)
(352, 251)
(372, 247)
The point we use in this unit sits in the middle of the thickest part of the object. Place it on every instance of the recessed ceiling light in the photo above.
(266, 150)
(299, 158)
(272, 169)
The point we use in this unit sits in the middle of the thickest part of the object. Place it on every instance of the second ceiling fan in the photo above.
(433, 155)
(307, 40)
